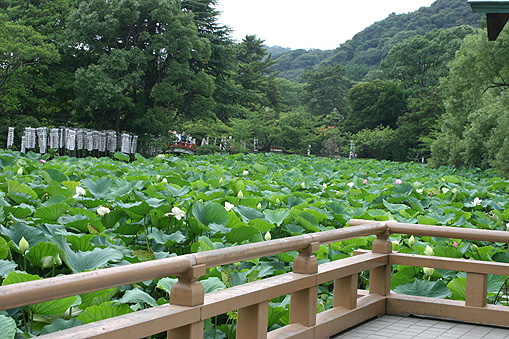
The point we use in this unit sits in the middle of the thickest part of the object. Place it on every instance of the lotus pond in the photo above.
(67, 215)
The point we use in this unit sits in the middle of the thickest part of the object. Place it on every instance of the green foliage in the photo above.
(419, 62)
(378, 143)
(326, 89)
(373, 44)
(475, 123)
(167, 206)
(373, 104)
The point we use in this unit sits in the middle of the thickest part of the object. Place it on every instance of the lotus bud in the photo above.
(429, 251)
(47, 261)
(428, 271)
(474, 247)
(411, 241)
(398, 182)
(23, 245)
(259, 206)
(455, 244)
(245, 172)
(278, 201)
(267, 236)
(324, 186)
(20, 171)
(221, 181)
(103, 210)
(42, 161)
(240, 195)
(303, 184)
(58, 261)
(445, 190)
(164, 180)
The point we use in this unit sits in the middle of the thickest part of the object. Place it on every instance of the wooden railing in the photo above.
(189, 306)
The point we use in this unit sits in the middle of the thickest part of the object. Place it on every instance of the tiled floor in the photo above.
(395, 327)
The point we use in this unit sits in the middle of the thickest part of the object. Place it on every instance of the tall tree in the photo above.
(148, 65)
(327, 89)
(373, 104)
(474, 127)
(255, 75)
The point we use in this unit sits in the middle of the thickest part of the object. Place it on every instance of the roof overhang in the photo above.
(497, 14)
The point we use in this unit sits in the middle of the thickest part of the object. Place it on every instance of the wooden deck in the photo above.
(397, 327)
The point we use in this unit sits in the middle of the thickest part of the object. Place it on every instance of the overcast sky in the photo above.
(319, 24)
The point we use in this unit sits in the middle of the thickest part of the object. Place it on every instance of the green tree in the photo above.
(147, 65)
(474, 126)
(419, 62)
(255, 75)
(327, 89)
(46, 90)
(21, 46)
(375, 103)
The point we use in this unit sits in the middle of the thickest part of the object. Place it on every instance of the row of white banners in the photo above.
(74, 139)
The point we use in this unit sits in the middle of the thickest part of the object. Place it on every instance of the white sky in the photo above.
(318, 24)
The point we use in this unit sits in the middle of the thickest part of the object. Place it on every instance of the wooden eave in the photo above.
(497, 14)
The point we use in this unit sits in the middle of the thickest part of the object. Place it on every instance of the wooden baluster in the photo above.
(252, 321)
(380, 277)
(477, 289)
(345, 292)
(303, 302)
(188, 291)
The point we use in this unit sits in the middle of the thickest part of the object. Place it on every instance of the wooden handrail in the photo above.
(36, 291)
(395, 227)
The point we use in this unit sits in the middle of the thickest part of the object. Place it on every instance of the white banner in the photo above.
(10, 137)
(89, 141)
(124, 148)
(71, 140)
(134, 144)
(42, 135)
(79, 139)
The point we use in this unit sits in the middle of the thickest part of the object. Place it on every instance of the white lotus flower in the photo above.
(445, 190)
(419, 190)
(228, 207)
(477, 201)
(103, 210)
(79, 191)
(164, 180)
(177, 213)
(429, 251)
(303, 184)
(267, 236)
(411, 241)
(20, 171)
(428, 271)
(245, 172)
(351, 184)
(23, 245)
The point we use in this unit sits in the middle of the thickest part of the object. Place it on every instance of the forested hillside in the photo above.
(368, 48)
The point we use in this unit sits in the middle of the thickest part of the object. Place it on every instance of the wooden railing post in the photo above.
(380, 277)
(188, 291)
(345, 292)
(252, 321)
(303, 302)
(477, 289)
